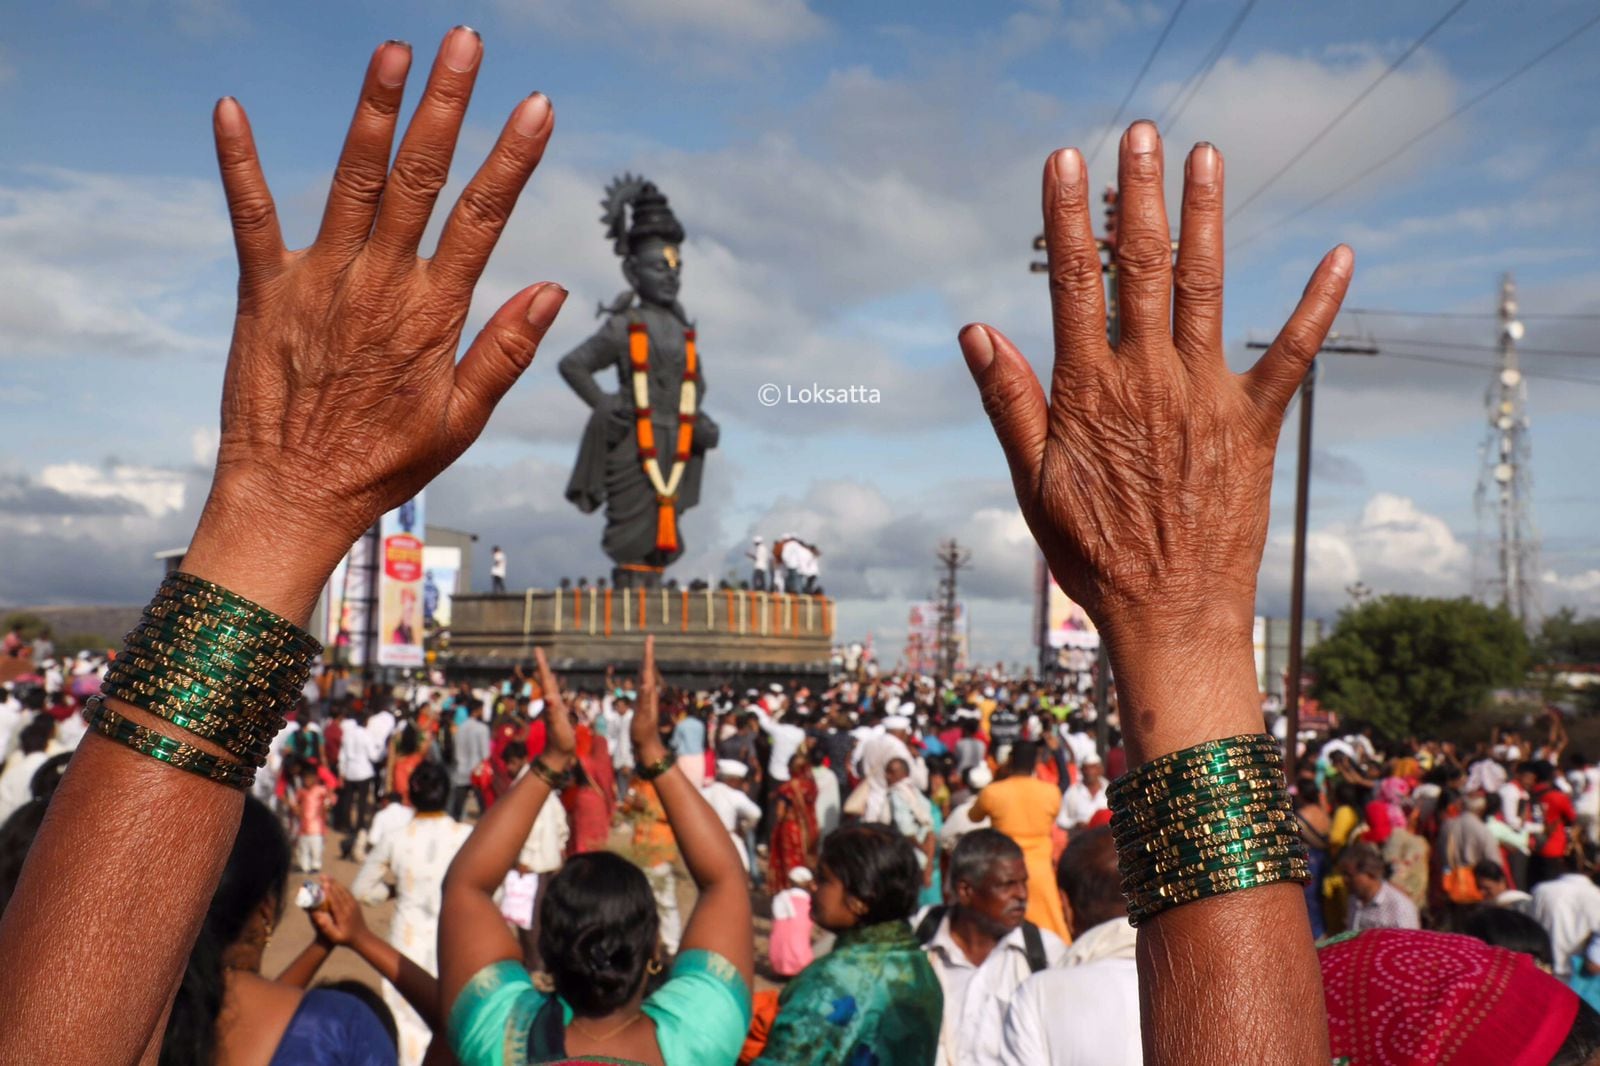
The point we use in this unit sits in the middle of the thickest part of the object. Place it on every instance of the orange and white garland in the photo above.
(644, 431)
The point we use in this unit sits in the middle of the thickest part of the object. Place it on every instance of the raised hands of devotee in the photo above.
(646, 728)
(561, 741)
(1145, 473)
(343, 395)
(339, 921)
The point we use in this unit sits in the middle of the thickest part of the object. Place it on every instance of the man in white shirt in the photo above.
(395, 815)
(1085, 1011)
(11, 718)
(357, 774)
(787, 738)
(1569, 909)
(16, 781)
(761, 559)
(981, 947)
(1080, 802)
(734, 808)
(497, 570)
(380, 727)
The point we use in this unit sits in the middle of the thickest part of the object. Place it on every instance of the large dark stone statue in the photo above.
(644, 447)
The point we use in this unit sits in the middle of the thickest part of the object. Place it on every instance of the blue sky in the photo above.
(858, 180)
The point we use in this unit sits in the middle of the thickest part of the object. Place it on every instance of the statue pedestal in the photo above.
(703, 639)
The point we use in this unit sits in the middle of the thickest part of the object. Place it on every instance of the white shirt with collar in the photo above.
(393, 816)
(1084, 1012)
(380, 727)
(786, 739)
(954, 970)
(356, 752)
(989, 993)
(1078, 805)
(732, 808)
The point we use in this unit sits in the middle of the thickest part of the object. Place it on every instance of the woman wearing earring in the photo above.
(874, 998)
(599, 936)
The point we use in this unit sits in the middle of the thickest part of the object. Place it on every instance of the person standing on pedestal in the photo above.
(762, 563)
(497, 570)
(644, 447)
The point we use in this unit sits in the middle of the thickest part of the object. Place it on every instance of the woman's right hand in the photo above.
(342, 395)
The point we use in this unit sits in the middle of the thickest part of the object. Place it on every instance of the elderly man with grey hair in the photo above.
(981, 945)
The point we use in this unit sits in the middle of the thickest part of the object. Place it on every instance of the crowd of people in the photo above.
(1004, 938)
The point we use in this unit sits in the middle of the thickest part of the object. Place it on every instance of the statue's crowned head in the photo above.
(648, 237)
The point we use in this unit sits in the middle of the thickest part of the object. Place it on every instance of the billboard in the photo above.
(1066, 624)
(440, 568)
(347, 620)
(400, 585)
(922, 636)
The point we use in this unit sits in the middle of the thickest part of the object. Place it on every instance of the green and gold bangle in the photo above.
(146, 741)
(215, 665)
(1204, 821)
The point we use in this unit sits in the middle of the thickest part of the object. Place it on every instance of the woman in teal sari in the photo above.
(874, 999)
(598, 931)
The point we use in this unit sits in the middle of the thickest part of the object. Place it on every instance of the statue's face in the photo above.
(654, 270)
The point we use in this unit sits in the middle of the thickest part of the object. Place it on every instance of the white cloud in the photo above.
(157, 491)
(101, 264)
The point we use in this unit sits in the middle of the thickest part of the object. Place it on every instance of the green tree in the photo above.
(1408, 664)
(1566, 638)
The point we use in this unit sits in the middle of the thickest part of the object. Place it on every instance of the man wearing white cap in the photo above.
(1080, 802)
(761, 557)
(733, 807)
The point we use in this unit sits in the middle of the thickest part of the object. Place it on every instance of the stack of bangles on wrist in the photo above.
(216, 666)
(1207, 820)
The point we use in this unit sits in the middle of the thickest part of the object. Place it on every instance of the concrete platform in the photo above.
(703, 638)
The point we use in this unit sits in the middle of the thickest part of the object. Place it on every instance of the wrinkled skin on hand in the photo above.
(342, 396)
(1146, 475)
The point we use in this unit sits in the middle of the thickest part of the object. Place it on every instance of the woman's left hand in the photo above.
(561, 739)
(341, 921)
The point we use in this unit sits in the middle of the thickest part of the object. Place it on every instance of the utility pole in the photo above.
(1302, 505)
(1507, 474)
(953, 558)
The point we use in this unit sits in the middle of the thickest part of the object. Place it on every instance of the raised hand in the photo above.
(561, 740)
(1146, 474)
(645, 730)
(342, 395)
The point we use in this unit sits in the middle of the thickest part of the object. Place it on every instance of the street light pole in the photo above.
(1297, 576)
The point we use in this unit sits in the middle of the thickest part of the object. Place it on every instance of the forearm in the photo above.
(1204, 964)
(418, 986)
(576, 371)
(303, 969)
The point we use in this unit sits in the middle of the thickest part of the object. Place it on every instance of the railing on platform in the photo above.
(604, 612)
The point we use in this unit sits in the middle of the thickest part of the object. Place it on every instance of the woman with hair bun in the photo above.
(599, 935)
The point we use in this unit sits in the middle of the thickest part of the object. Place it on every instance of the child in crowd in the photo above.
(311, 807)
(790, 950)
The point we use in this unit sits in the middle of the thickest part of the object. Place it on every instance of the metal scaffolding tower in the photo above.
(1507, 559)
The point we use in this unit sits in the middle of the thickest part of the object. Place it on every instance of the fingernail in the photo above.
(978, 348)
(1142, 137)
(1069, 165)
(1341, 261)
(462, 48)
(230, 116)
(532, 115)
(1203, 163)
(393, 64)
(546, 303)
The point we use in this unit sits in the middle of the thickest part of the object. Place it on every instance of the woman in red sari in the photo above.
(794, 825)
(592, 798)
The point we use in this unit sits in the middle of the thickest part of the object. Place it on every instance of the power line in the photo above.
(1418, 138)
(1351, 106)
(1484, 347)
(1417, 357)
(1174, 111)
(1151, 58)
(1462, 314)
